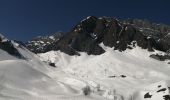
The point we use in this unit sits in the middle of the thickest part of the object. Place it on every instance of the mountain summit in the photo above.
(88, 34)
(99, 59)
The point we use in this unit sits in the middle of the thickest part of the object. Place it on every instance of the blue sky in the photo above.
(25, 19)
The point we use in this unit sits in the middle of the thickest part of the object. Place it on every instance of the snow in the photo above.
(86, 18)
(140, 70)
(118, 42)
(5, 56)
(41, 42)
(32, 79)
(167, 35)
(52, 37)
(157, 91)
(100, 18)
(114, 75)
(15, 44)
(148, 37)
(19, 80)
(94, 35)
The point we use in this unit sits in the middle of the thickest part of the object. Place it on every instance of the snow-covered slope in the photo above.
(31, 79)
(127, 75)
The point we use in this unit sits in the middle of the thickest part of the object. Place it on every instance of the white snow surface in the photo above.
(32, 79)
(113, 75)
(167, 35)
(106, 70)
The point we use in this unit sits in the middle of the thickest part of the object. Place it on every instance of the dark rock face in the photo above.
(161, 89)
(52, 64)
(148, 28)
(165, 43)
(0, 39)
(164, 89)
(160, 57)
(166, 97)
(41, 44)
(89, 33)
(147, 95)
(159, 32)
(81, 38)
(8, 47)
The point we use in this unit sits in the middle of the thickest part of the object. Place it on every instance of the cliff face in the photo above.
(41, 44)
(90, 32)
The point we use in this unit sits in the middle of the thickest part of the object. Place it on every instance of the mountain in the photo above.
(92, 31)
(99, 59)
(41, 44)
(115, 57)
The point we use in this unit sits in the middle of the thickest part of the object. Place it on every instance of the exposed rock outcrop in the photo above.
(90, 32)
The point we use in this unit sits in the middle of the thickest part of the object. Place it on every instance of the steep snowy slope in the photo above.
(28, 78)
(128, 74)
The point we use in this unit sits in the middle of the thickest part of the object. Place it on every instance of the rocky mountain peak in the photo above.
(88, 34)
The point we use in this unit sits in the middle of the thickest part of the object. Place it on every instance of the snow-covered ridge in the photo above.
(3, 38)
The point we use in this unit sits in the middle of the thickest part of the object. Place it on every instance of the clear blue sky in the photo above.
(25, 19)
